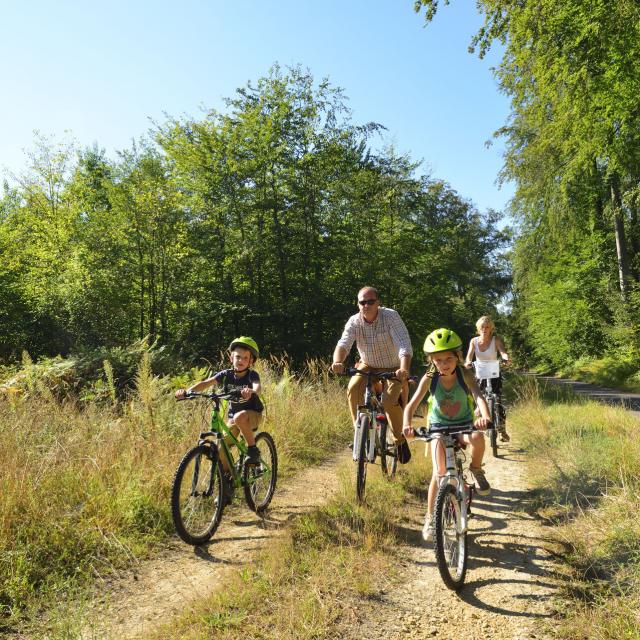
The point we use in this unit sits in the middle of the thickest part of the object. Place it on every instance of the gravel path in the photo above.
(511, 580)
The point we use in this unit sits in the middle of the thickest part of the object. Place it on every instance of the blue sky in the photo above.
(103, 70)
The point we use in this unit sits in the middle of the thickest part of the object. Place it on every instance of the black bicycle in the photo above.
(202, 487)
(487, 371)
(372, 437)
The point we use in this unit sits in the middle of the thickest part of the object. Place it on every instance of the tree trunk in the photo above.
(621, 245)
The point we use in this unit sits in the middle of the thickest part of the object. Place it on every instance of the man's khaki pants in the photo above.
(390, 395)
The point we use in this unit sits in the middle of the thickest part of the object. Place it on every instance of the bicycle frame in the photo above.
(222, 434)
(454, 474)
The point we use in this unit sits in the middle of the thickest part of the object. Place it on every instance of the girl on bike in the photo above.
(453, 390)
(487, 346)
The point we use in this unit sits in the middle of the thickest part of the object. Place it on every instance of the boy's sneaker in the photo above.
(429, 529)
(504, 436)
(483, 487)
(253, 455)
(228, 489)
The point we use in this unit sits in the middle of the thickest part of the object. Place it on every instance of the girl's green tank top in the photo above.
(449, 407)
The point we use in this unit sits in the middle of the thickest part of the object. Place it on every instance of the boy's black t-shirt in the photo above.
(228, 380)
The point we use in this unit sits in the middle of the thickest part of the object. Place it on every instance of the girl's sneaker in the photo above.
(429, 529)
(483, 487)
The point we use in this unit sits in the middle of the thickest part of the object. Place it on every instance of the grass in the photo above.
(85, 487)
(585, 461)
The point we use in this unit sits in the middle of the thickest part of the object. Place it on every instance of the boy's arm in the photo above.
(203, 384)
(198, 386)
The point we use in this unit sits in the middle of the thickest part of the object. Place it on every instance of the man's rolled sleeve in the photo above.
(348, 336)
(400, 336)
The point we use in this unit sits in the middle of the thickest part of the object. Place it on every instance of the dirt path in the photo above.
(508, 593)
(154, 591)
(511, 580)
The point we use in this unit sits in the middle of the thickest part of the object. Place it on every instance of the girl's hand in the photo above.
(408, 431)
(482, 423)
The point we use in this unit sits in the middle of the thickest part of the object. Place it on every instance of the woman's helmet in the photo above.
(442, 340)
(247, 343)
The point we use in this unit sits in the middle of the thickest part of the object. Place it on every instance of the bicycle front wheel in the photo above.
(388, 451)
(493, 432)
(260, 480)
(450, 543)
(197, 495)
(361, 472)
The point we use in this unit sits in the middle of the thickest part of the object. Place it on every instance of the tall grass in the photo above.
(585, 461)
(85, 487)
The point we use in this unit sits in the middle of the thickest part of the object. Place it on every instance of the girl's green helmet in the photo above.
(442, 340)
(247, 343)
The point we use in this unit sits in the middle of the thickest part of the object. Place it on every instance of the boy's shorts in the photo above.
(255, 418)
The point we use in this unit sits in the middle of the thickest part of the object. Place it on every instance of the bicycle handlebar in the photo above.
(234, 394)
(387, 375)
(425, 435)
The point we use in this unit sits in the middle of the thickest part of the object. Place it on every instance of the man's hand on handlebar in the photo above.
(337, 367)
(408, 431)
(181, 394)
(402, 374)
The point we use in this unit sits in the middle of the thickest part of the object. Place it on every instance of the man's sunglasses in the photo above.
(362, 303)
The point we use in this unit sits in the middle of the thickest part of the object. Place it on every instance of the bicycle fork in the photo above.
(455, 479)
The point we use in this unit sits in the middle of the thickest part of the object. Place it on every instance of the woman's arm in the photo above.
(502, 349)
(469, 359)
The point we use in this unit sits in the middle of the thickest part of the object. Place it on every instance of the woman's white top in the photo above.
(490, 353)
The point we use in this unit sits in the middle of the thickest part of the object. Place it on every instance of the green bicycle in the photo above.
(202, 487)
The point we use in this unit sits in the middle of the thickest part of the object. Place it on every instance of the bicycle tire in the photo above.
(493, 432)
(260, 480)
(450, 545)
(388, 451)
(197, 499)
(361, 471)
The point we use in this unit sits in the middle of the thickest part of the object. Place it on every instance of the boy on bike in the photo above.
(244, 414)
(453, 390)
(384, 345)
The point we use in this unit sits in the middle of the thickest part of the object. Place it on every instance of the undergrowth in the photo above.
(85, 484)
(585, 461)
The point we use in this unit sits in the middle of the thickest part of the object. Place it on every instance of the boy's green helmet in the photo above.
(247, 343)
(442, 340)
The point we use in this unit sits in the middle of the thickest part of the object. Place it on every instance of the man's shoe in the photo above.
(404, 453)
(482, 485)
(253, 455)
(429, 529)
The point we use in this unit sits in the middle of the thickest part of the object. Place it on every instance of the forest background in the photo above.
(266, 217)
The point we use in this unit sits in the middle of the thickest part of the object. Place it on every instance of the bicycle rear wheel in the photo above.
(450, 544)
(388, 451)
(260, 480)
(197, 495)
(361, 472)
